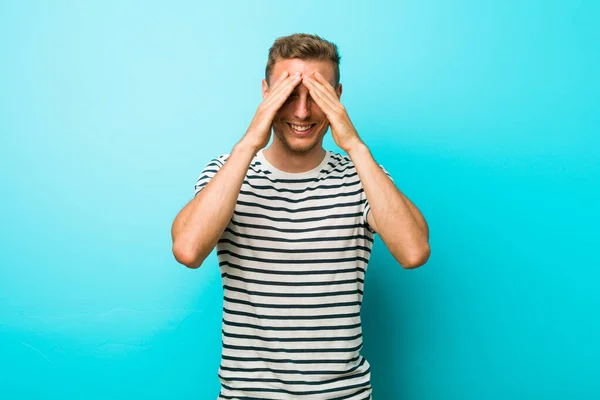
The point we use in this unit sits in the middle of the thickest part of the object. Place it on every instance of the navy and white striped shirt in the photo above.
(293, 260)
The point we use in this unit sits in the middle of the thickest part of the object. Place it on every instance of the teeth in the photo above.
(301, 128)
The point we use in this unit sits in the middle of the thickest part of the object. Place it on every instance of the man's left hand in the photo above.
(343, 132)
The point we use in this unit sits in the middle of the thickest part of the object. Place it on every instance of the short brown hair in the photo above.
(304, 47)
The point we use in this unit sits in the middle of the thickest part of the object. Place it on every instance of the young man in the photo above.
(294, 227)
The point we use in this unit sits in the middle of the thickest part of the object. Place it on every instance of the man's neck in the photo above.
(285, 160)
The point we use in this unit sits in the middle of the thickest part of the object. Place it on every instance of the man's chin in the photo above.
(299, 145)
(300, 148)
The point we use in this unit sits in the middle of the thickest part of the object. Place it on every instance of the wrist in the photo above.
(357, 148)
(247, 148)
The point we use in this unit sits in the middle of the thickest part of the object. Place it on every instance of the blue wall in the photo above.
(487, 115)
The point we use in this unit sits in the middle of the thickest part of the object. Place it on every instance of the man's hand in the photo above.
(259, 132)
(343, 132)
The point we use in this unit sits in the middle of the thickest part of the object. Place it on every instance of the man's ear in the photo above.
(265, 88)
(338, 90)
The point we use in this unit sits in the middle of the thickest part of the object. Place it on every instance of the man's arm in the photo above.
(399, 223)
(401, 227)
(199, 225)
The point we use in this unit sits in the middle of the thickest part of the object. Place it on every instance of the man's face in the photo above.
(300, 124)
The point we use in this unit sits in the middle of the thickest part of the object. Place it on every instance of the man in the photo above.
(294, 226)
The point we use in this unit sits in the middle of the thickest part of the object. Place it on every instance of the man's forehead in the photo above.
(306, 67)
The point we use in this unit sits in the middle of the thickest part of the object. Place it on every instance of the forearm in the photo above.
(399, 224)
(198, 227)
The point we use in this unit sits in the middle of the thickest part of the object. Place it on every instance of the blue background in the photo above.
(487, 114)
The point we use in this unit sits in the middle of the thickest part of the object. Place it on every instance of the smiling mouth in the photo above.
(302, 130)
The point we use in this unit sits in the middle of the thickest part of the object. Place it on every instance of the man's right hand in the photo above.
(259, 132)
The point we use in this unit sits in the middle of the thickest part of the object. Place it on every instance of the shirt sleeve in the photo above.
(367, 208)
(208, 172)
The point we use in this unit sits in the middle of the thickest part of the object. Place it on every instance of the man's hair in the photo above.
(305, 47)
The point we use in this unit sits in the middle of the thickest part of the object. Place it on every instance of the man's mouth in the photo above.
(302, 129)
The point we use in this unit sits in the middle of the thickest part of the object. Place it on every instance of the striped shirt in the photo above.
(293, 260)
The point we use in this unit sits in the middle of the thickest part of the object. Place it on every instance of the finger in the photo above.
(331, 96)
(276, 86)
(283, 76)
(280, 97)
(324, 99)
(285, 88)
(279, 94)
(321, 79)
(285, 84)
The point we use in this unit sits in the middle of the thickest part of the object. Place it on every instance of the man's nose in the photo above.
(302, 109)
